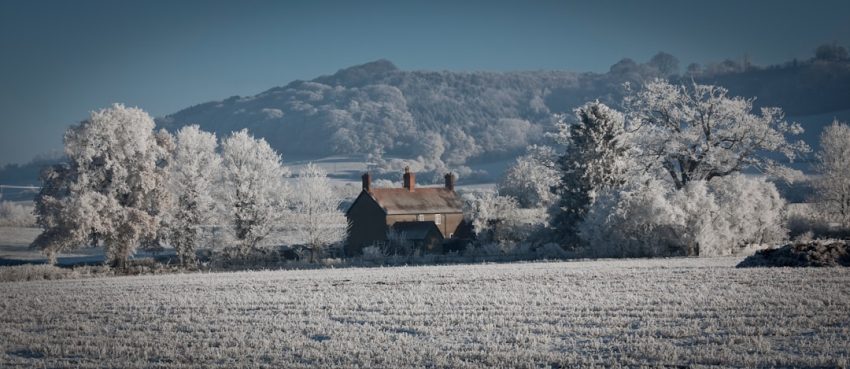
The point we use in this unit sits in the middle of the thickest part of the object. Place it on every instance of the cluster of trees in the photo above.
(672, 173)
(127, 186)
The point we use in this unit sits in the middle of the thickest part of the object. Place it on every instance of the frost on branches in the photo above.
(255, 193)
(595, 160)
(707, 218)
(696, 132)
(833, 185)
(531, 178)
(196, 168)
(498, 219)
(108, 193)
(318, 221)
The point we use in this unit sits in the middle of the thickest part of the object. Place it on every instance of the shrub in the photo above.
(35, 272)
(13, 214)
(719, 217)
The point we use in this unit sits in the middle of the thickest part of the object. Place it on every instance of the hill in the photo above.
(475, 122)
(441, 120)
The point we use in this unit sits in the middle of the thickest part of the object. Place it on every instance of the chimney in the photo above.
(367, 182)
(450, 181)
(409, 179)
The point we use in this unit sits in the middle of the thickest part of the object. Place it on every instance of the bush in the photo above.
(637, 221)
(373, 253)
(816, 253)
(35, 272)
(13, 214)
(723, 216)
(551, 251)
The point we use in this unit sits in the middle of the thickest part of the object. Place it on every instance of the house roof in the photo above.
(416, 230)
(421, 200)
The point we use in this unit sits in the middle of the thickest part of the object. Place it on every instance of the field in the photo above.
(667, 312)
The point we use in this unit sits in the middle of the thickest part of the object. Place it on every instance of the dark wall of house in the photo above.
(368, 224)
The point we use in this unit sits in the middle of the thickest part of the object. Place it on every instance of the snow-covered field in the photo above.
(666, 312)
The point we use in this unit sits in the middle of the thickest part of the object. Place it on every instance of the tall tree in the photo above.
(595, 159)
(317, 218)
(697, 132)
(833, 185)
(195, 169)
(108, 193)
(255, 192)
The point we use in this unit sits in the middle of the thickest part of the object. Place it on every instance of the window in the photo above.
(420, 217)
(451, 235)
(438, 218)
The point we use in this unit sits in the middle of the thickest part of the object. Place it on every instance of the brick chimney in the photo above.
(409, 179)
(367, 182)
(450, 181)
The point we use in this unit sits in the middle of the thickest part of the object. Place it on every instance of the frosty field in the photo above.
(667, 312)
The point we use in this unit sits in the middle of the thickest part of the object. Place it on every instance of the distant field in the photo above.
(15, 241)
(668, 312)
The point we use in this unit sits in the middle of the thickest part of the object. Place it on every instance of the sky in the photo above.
(59, 60)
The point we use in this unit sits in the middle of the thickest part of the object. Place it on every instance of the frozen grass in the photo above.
(667, 312)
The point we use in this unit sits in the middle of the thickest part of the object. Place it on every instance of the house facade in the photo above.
(407, 210)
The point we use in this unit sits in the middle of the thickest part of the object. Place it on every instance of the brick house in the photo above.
(425, 215)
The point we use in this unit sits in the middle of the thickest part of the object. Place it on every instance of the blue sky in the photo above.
(61, 59)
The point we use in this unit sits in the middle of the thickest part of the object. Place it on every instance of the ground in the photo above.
(664, 312)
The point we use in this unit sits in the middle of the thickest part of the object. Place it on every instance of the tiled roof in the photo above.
(421, 200)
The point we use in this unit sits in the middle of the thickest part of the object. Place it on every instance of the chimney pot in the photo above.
(450, 181)
(367, 182)
(409, 179)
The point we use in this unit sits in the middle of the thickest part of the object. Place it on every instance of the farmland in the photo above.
(664, 312)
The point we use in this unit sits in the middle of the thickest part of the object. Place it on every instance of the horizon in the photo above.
(166, 57)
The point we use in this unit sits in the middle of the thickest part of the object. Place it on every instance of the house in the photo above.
(415, 211)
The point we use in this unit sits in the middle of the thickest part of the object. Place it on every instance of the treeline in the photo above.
(682, 169)
(127, 187)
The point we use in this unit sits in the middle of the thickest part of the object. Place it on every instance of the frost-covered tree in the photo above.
(108, 193)
(698, 132)
(831, 52)
(317, 218)
(195, 170)
(636, 220)
(752, 208)
(54, 214)
(726, 214)
(161, 199)
(531, 178)
(254, 189)
(719, 217)
(595, 160)
(498, 219)
(665, 63)
(703, 228)
(832, 186)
